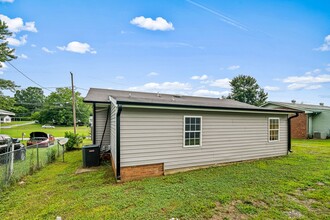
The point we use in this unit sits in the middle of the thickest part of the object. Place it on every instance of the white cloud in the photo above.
(271, 88)
(210, 93)
(203, 77)
(120, 77)
(78, 47)
(33, 45)
(16, 25)
(167, 87)
(9, 1)
(308, 79)
(159, 24)
(3, 67)
(315, 71)
(23, 56)
(45, 49)
(311, 80)
(153, 74)
(326, 45)
(222, 83)
(328, 68)
(312, 87)
(297, 86)
(17, 42)
(234, 67)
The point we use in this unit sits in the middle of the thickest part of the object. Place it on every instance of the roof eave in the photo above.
(204, 107)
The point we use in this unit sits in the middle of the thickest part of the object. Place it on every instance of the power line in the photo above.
(81, 88)
(48, 87)
(28, 77)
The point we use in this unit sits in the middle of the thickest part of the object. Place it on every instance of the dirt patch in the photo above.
(320, 184)
(260, 204)
(228, 211)
(85, 170)
(294, 214)
(305, 202)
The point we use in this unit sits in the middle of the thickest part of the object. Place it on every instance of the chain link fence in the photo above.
(16, 163)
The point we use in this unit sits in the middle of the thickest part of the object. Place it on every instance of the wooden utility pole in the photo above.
(73, 106)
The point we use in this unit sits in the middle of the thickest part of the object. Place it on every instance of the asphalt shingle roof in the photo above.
(4, 112)
(97, 95)
(301, 107)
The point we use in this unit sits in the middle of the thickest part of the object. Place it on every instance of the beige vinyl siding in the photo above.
(101, 118)
(151, 136)
(113, 133)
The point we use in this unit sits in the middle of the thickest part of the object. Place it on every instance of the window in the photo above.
(192, 131)
(274, 129)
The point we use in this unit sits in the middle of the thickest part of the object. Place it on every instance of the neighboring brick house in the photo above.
(314, 122)
(152, 134)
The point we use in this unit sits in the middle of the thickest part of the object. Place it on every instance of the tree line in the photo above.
(56, 108)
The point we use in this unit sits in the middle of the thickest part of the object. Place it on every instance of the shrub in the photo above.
(51, 154)
(75, 140)
(35, 116)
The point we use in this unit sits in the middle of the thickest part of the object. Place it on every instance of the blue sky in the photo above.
(191, 47)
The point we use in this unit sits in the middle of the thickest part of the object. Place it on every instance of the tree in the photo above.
(6, 53)
(7, 102)
(246, 89)
(57, 108)
(8, 85)
(31, 98)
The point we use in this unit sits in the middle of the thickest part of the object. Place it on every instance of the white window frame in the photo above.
(279, 130)
(184, 131)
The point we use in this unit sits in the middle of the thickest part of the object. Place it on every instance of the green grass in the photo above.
(274, 188)
(15, 123)
(30, 164)
(58, 131)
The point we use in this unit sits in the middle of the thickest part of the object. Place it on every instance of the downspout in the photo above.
(120, 108)
(94, 123)
(289, 131)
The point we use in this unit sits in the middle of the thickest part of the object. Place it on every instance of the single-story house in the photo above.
(152, 134)
(5, 116)
(312, 122)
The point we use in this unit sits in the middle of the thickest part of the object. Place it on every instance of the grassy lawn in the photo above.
(30, 164)
(294, 186)
(15, 123)
(58, 131)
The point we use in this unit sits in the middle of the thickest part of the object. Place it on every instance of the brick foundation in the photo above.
(299, 126)
(139, 172)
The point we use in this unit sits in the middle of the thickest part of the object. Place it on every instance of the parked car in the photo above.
(41, 138)
(6, 146)
(48, 126)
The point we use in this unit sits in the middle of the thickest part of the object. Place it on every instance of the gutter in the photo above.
(120, 108)
(289, 131)
(202, 107)
(191, 107)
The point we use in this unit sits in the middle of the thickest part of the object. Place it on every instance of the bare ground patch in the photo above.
(237, 209)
